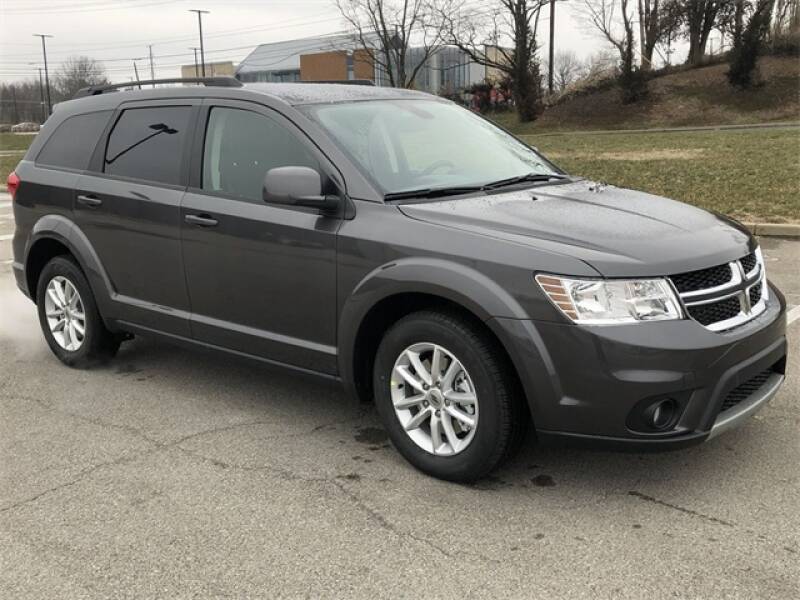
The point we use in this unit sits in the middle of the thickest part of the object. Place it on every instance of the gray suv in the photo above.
(401, 245)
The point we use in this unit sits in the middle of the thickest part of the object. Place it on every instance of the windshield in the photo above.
(421, 144)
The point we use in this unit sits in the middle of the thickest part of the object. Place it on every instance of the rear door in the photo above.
(262, 278)
(129, 208)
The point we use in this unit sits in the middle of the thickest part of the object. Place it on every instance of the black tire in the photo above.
(503, 418)
(99, 344)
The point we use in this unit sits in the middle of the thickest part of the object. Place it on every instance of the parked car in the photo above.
(26, 127)
(404, 246)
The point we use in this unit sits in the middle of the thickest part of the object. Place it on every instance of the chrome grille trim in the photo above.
(739, 286)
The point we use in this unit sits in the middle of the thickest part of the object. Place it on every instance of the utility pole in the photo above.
(46, 74)
(136, 72)
(200, 14)
(14, 98)
(152, 70)
(196, 66)
(41, 94)
(552, 43)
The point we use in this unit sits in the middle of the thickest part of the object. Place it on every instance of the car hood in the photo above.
(619, 232)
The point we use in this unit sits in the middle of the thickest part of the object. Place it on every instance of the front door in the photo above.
(261, 278)
(128, 206)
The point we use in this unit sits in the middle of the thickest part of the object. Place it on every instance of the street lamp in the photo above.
(46, 74)
(200, 14)
(41, 91)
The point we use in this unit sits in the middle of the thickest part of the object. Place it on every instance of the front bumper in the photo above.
(585, 384)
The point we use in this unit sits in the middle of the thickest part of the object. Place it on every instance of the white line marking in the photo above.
(5, 204)
(6, 237)
(7, 262)
(793, 315)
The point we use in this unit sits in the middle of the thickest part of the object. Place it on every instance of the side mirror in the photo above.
(297, 186)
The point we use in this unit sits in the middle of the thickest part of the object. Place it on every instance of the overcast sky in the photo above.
(118, 31)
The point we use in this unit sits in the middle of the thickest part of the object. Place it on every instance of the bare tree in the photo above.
(616, 26)
(749, 41)
(387, 28)
(504, 40)
(78, 72)
(650, 30)
(701, 18)
(566, 68)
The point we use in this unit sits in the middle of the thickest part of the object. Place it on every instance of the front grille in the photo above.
(745, 390)
(706, 314)
(755, 294)
(749, 262)
(702, 279)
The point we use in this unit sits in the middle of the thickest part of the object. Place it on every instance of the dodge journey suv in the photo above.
(401, 245)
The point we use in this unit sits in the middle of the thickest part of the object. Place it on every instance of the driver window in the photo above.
(241, 146)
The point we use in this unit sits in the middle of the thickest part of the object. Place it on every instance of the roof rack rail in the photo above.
(94, 90)
(342, 81)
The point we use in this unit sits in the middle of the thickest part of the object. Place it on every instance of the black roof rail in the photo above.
(342, 81)
(94, 90)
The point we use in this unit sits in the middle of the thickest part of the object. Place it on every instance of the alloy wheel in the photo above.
(65, 313)
(434, 399)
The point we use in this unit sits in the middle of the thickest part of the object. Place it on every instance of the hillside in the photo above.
(688, 98)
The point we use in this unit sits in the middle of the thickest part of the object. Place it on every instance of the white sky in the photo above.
(118, 31)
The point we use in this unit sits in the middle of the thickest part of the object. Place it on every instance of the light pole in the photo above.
(136, 71)
(200, 14)
(41, 91)
(552, 41)
(46, 74)
(152, 70)
(196, 66)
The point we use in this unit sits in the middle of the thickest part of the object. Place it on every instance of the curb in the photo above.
(786, 230)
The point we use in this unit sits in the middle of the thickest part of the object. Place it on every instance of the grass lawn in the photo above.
(751, 175)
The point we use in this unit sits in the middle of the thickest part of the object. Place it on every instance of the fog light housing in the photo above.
(660, 415)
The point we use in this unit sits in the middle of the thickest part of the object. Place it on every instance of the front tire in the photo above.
(447, 396)
(68, 315)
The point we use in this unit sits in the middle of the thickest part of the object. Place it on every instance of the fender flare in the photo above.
(65, 231)
(455, 282)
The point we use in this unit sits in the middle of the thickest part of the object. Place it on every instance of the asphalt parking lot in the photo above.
(172, 474)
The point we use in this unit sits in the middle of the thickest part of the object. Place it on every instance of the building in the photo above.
(335, 58)
(214, 69)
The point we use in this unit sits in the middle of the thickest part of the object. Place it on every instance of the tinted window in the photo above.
(73, 142)
(241, 146)
(147, 143)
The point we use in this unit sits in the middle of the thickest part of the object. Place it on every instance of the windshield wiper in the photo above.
(522, 178)
(435, 192)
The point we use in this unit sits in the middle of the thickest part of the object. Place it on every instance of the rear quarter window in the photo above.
(147, 144)
(72, 143)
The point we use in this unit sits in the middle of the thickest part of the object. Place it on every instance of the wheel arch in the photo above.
(395, 290)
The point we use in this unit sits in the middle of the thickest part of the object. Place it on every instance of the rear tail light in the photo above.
(12, 183)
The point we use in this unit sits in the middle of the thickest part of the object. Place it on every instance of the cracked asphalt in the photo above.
(175, 474)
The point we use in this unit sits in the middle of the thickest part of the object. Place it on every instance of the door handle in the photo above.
(89, 200)
(201, 220)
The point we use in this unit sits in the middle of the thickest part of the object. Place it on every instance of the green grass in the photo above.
(751, 175)
(13, 141)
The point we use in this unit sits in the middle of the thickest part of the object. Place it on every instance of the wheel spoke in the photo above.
(436, 436)
(59, 326)
(453, 370)
(62, 295)
(464, 398)
(450, 433)
(460, 415)
(78, 315)
(409, 402)
(420, 369)
(436, 364)
(418, 419)
(409, 378)
(67, 336)
(51, 291)
(56, 312)
(79, 328)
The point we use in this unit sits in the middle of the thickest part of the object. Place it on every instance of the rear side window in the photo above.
(147, 144)
(241, 146)
(72, 143)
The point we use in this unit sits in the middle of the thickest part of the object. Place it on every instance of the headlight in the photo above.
(612, 301)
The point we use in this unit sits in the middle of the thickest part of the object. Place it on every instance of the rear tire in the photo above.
(69, 318)
(471, 426)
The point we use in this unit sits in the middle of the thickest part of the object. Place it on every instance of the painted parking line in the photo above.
(5, 205)
(793, 315)
(6, 237)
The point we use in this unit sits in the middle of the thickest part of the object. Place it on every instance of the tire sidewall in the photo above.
(64, 267)
(475, 460)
